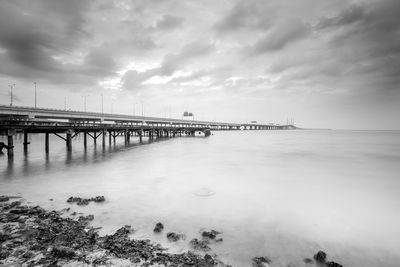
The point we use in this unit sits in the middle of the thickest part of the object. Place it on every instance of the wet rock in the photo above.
(4, 198)
(12, 205)
(100, 261)
(208, 258)
(211, 235)
(3, 237)
(99, 199)
(200, 244)
(158, 228)
(86, 219)
(261, 261)
(320, 257)
(32, 236)
(333, 264)
(308, 260)
(4, 254)
(85, 201)
(174, 236)
(63, 252)
(28, 254)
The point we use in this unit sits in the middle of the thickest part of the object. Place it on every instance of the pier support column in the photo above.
(95, 138)
(10, 144)
(69, 141)
(109, 138)
(46, 142)
(26, 143)
(84, 139)
(103, 132)
(140, 136)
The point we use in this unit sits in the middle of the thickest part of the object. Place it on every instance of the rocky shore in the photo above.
(33, 236)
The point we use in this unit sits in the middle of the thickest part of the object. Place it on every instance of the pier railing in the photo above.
(67, 124)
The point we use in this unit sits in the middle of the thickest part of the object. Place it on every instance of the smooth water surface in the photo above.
(281, 194)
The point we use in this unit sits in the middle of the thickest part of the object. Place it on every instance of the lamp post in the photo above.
(35, 96)
(102, 104)
(11, 93)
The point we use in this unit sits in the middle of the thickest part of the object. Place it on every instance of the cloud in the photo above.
(279, 37)
(240, 48)
(169, 22)
(247, 15)
(352, 14)
(170, 64)
(366, 38)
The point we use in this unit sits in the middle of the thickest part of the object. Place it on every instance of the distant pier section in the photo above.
(68, 124)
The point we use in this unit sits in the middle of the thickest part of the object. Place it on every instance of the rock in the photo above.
(4, 198)
(320, 257)
(63, 252)
(209, 259)
(32, 236)
(4, 254)
(174, 236)
(211, 235)
(261, 261)
(100, 261)
(28, 254)
(308, 260)
(85, 201)
(86, 219)
(200, 244)
(333, 264)
(73, 199)
(159, 227)
(3, 237)
(99, 199)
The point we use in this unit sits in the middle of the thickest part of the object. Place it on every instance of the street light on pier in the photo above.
(11, 93)
(35, 96)
(102, 104)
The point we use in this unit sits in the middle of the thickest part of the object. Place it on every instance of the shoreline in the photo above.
(33, 236)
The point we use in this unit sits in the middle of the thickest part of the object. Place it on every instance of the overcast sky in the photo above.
(328, 64)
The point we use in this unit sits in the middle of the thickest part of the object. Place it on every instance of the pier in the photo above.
(104, 127)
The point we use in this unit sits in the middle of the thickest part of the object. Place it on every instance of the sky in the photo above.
(323, 64)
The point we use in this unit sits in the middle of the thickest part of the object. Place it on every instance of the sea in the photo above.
(284, 194)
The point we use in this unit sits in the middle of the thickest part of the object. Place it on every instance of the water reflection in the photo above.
(30, 163)
(269, 193)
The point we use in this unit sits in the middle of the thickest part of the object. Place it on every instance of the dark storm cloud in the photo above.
(367, 39)
(352, 14)
(355, 48)
(34, 34)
